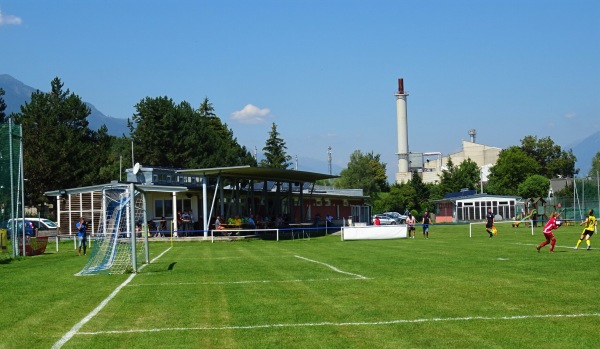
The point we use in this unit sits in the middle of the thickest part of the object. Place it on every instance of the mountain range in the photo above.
(585, 150)
(17, 94)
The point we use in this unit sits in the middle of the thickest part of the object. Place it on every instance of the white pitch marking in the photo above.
(102, 304)
(332, 267)
(555, 246)
(246, 282)
(363, 323)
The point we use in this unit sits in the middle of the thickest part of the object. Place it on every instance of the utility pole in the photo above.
(329, 159)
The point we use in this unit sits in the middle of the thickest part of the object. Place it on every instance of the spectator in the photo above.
(410, 222)
(317, 220)
(81, 236)
(237, 221)
(426, 221)
(250, 221)
(218, 225)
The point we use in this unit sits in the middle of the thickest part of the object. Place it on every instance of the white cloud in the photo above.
(9, 19)
(570, 116)
(251, 115)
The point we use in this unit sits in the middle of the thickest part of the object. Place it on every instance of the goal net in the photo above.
(119, 244)
(478, 228)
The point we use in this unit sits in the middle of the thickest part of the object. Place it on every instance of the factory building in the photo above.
(430, 165)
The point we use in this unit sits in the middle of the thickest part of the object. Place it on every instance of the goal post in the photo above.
(120, 244)
(502, 226)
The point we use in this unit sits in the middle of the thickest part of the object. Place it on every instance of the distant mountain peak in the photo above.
(17, 94)
(585, 150)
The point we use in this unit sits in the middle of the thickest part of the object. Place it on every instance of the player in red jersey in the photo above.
(548, 228)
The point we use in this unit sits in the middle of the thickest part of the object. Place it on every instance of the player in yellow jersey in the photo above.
(590, 226)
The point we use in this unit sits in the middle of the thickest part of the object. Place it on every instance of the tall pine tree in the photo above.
(275, 151)
(170, 135)
(2, 107)
(59, 149)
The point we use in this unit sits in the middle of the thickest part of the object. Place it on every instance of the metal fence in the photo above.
(11, 180)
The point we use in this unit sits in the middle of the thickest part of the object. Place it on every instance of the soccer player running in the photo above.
(548, 228)
(590, 224)
(489, 226)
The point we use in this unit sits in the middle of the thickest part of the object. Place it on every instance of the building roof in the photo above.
(100, 187)
(259, 173)
(239, 172)
(472, 197)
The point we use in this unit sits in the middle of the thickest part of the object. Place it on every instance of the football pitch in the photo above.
(449, 291)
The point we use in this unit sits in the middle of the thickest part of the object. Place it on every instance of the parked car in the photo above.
(30, 229)
(42, 226)
(400, 218)
(384, 219)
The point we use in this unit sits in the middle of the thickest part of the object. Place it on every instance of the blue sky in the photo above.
(326, 71)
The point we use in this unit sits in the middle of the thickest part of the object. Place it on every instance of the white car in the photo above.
(384, 219)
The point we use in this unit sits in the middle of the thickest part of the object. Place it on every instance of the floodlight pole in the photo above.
(13, 205)
(583, 195)
(22, 175)
(574, 190)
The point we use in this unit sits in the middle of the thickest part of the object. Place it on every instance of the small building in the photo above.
(467, 205)
(229, 191)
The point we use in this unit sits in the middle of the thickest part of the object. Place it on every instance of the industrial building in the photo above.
(430, 164)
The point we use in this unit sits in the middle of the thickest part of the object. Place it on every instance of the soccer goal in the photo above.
(120, 241)
(500, 226)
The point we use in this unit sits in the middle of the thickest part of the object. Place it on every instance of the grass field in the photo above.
(449, 291)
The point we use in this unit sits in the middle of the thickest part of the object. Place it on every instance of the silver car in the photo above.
(384, 219)
(400, 218)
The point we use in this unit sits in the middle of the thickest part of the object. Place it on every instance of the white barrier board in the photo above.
(375, 232)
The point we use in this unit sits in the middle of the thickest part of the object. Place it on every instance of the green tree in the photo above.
(412, 195)
(2, 107)
(511, 169)
(454, 178)
(553, 161)
(398, 199)
(59, 149)
(170, 135)
(275, 151)
(447, 178)
(221, 143)
(595, 170)
(158, 132)
(421, 190)
(364, 171)
(534, 186)
(118, 158)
